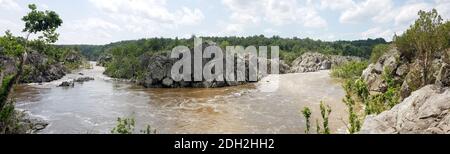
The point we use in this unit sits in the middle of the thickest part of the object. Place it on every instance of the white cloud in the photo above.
(378, 32)
(270, 31)
(244, 14)
(337, 4)
(93, 23)
(8, 25)
(9, 5)
(155, 10)
(408, 12)
(443, 7)
(96, 30)
(369, 9)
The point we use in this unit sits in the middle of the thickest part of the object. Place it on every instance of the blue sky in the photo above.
(105, 21)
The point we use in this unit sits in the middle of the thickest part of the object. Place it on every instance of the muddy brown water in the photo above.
(270, 106)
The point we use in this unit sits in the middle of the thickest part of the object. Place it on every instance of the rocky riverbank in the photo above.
(423, 109)
(313, 61)
(38, 68)
(157, 71)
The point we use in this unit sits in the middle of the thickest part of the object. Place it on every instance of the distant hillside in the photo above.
(291, 48)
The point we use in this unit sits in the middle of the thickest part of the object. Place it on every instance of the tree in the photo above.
(424, 38)
(35, 21)
(42, 21)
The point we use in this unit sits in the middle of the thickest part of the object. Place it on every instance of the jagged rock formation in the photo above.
(7, 66)
(38, 69)
(158, 72)
(425, 111)
(313, 61)
(409, 74)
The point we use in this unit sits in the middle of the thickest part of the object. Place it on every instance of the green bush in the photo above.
(349, 70)
(325, 111)
(307, 114)
(124, 126)
(4, 90)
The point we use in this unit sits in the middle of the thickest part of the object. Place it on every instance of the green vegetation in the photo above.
(12, 46)
(127, 126)
(126, 55)
(9, 123)
(4, 90)
(124, 126)
(307, 114)
(427, 36)
(377, 103)
(378, 51)
(357, 92)
(43, 24)
(353, 119)
(349, 70)
(325, 111)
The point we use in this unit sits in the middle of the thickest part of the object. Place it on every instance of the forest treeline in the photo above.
(291, 48)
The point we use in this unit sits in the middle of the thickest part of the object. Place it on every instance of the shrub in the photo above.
(349, 70)
(325, 111)
(124, 126)
(307, 114)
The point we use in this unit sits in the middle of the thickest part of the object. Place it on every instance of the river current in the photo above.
(94, 106)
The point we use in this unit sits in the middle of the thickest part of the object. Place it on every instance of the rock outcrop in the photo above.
(158, 72)
(389, 63)
(427, 110)
(313, 61)
(7, 66)
(84, 79)
(38, 69)
(67, 84)
(104, 59)
(408, 74)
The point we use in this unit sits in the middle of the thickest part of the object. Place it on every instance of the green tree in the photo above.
(42, 21)
(35, 21)
(424, 38)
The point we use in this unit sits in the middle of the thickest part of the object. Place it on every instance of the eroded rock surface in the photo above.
(425, 111)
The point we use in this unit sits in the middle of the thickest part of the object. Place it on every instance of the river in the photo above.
(93, 107)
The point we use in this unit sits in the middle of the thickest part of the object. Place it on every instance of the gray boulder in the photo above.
(84, 79)
(313, 61)
(37, 69)
(67, 84)
(158, 71)
(426, 111)
(389, 62)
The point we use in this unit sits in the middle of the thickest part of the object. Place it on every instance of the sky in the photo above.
(106, 21)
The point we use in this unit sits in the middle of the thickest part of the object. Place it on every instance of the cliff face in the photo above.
(408, 74)
(425, 111)
(424, 107)
(312, 62)
(38, 67)
(158, 72)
